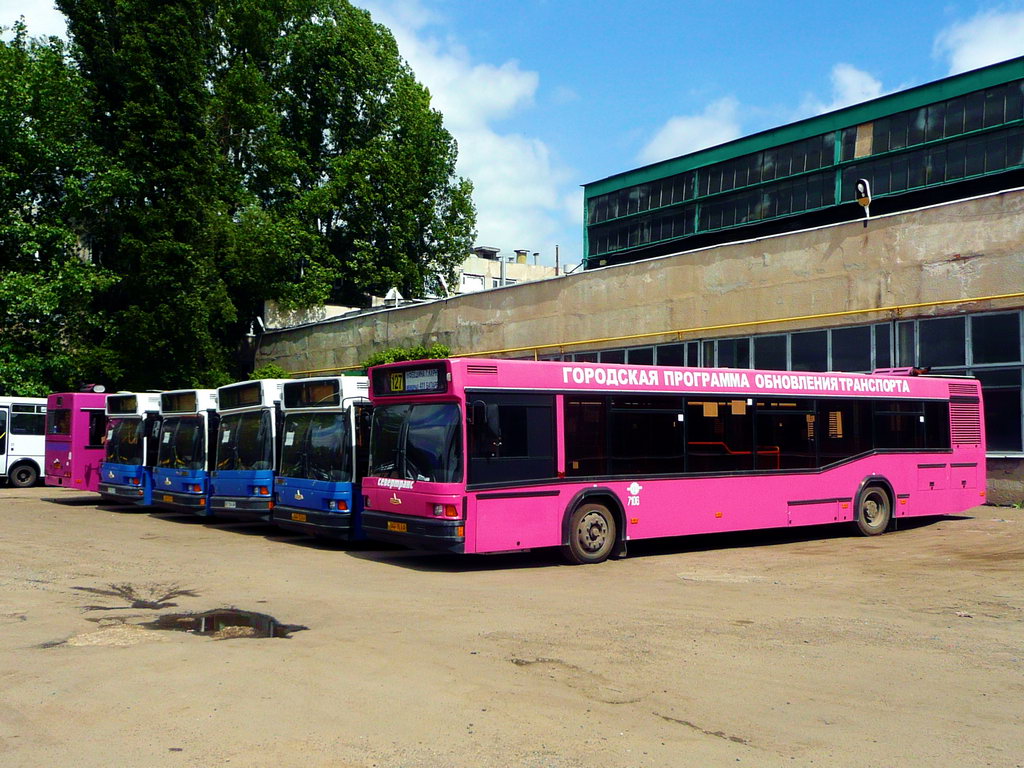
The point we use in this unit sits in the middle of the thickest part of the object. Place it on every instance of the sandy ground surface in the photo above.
(783, 648)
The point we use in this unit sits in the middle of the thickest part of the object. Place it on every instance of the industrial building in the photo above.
(755, 253)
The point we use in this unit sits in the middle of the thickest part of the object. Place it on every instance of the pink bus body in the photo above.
(75, 429)
(748, 449)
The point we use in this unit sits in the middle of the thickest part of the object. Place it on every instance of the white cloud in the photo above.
(849, 86)
(41, 18)
(989, 37)
(519, 186)
(718, 123)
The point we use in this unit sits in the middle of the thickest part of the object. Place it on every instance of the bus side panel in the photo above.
(520, 522)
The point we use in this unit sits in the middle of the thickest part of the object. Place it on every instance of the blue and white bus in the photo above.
(22, 440)
(243, 481)
(181, 477)
(324, 454)
(133, 434)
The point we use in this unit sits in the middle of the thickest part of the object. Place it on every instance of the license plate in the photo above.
(299, 517)
(398, 527)
(229, 505)
(167, 498)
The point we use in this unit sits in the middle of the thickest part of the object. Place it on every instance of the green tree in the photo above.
(51, 179)
(283, 150)
(397, 354)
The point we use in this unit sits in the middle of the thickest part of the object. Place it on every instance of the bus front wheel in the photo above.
(874, 511)
(23, 476)
(592, 534)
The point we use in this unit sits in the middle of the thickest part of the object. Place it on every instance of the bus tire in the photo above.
(23, 476)
(592, 534)
(874, 510)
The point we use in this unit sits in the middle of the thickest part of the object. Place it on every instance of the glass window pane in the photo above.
(1001, 392)
(906, 350)
(898, 424)
(936, 119)
(883, 346)
(851, 349)
(809, 351)
(785, 434)
(974, 110)
(770, 352)
(585, 436)
(918, 120)
(708, 356)
(995, 338)
(646, 435)
(672, 354)
(844, 429)
(954, 124)
(693, 353)
(734, 353)
(941, 342)
(975, 163)
(613, 356)
(995, 106)
(640, 356)
(719, 435)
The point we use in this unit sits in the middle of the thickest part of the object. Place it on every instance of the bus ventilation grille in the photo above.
(964, 423)
(485, 369)
(963, 390)
(363, 385)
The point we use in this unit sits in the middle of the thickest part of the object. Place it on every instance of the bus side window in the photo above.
(97, 428)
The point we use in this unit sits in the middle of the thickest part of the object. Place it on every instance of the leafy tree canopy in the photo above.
(184, 161)
(398, 354)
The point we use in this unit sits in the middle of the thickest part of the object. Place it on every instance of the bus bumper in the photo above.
(181, 502)
(337, 524)
(114, 492)
(416, 532)
(258, 508)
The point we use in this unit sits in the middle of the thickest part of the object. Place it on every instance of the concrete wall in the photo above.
(955, 251)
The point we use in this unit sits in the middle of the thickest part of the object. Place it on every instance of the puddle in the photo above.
(224, 623)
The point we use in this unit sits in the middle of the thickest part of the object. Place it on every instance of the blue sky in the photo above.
(546, 95)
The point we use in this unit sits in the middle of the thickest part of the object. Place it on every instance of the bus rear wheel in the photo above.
(874, 511)
(23, 476)
(592, 534)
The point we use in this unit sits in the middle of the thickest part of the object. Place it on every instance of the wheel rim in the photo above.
(23, 475)
(874, 510)
(592, 532)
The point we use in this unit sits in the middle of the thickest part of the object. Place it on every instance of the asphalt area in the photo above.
(138, 638)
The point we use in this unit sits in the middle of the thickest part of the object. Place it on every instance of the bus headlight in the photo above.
(445, 510)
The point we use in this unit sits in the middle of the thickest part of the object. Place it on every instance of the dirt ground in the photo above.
(783, 648)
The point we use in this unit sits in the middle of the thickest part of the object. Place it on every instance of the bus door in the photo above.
(360, 414)
(5, 421)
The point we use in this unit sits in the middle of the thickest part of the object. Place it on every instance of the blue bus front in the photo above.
(243, 482)
(181, 479)
(324, 451)
(124, 474)
(319, 507)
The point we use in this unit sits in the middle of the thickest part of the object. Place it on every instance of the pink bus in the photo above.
(75, 430)
(499, 455)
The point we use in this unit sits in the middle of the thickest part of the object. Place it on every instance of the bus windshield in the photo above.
(124, 441)
(316, 447)
(417, 442)
(181, 443)
(245, 441)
